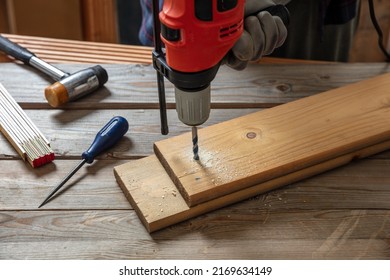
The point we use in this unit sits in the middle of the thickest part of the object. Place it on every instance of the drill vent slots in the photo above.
(230, 30)
(21, 132)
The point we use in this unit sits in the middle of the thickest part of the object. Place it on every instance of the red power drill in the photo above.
(197, 34)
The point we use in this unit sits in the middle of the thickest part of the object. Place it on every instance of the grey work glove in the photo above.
(262, 34)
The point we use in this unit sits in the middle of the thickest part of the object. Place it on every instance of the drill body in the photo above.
(197, 34)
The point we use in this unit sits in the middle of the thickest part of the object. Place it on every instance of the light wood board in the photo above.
(159, 204)
(265, 145)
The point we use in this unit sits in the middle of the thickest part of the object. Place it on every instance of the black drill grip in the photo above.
(280, 11)
(15, 50)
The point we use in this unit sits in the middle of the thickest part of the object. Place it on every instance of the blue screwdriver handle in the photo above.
(107, 137)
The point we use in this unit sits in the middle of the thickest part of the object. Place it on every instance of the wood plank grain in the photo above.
(261, 146)
(159, 204)
(93, 187)
(72, 51)
(254, 234)
(39, 41)
(134, 86)
(358, 185)
(68, 136)
(67, 133)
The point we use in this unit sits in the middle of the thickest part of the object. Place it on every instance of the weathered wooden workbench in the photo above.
(341, 214)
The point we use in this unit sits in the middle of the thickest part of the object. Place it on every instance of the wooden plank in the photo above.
(134, 86)
(337, 189)
(265, 145)
(159, 204)
(144, 130)
(359, 185)
(363, 184)
(72, 51)
(251, 234)
(92, 187)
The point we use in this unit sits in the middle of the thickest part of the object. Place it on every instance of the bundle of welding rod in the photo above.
(24, 136)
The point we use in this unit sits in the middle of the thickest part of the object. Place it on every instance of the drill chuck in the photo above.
(193, 106)
(76, 85)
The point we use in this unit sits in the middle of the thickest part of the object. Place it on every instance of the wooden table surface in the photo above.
(340, 214)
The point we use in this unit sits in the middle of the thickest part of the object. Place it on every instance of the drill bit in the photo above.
(195, 148)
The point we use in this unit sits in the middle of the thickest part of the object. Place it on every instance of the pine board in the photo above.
(159, 204)
(272, 143)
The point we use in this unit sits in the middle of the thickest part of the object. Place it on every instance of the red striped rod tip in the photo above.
(43, 160)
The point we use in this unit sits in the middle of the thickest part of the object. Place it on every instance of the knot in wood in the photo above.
(284, 87)
(251, 135)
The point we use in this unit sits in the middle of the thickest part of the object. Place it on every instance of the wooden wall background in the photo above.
(3, 17)
(96, 20)
(365, 47)
(90, 20)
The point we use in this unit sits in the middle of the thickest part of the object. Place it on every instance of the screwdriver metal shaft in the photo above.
(63, 182)
(109, 135)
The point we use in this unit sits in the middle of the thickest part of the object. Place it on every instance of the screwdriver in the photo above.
(107, 137)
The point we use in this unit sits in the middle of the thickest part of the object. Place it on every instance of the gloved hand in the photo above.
(262, 34)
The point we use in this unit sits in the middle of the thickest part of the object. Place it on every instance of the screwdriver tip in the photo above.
(43, 203)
